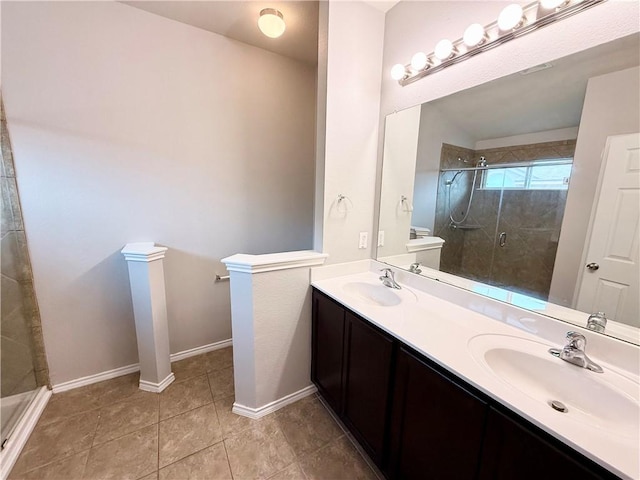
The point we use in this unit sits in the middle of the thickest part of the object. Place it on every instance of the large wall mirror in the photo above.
(526, 189)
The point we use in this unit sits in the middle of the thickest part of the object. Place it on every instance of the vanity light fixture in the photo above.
(444, 49)
(419, 61)
(514, 21)
(552, 4)
(271, 22)
(398, 71)
(512, 16)
(474, 35)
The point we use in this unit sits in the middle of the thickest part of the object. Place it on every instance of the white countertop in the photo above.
(441, 330)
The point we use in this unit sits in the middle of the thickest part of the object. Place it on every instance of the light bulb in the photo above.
(551, 4)
(473, 35)
(398, 71)
(271, 22)
(510, 17)
(444, 49)
(419, 61)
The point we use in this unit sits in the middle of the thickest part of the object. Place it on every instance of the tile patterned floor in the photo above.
(113, 430)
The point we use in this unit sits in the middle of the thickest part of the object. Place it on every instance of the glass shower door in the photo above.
(532, 202)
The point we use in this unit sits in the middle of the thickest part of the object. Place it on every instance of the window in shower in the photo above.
(541, 175)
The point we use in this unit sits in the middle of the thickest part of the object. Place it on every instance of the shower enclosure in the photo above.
(500, 212)
(23, 367)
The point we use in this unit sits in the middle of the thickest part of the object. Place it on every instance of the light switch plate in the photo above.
(381, 238)
(364, 239)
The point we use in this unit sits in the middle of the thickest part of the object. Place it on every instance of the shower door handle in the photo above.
(502, 239)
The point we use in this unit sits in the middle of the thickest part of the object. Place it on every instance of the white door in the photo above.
(611, 277)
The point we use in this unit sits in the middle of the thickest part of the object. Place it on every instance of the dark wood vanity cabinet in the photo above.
(512, 450)
(367, 384)
(328, 349)
(416, 420)
(436, 427)
(351, 366)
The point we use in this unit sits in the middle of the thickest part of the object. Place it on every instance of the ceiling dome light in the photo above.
(474, 35)
(551, 4)
(419, 61)
(444, 49)
(511, 17)
(271, 22)
(398, 72)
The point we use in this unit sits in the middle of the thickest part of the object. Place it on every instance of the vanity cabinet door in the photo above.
(327, 349)
(367, 384)
(513, 451)
(436, 426)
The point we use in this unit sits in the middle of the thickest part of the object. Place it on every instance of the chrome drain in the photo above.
(559, 406)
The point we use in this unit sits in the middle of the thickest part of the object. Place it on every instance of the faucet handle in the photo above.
(576, 340)
(387, 271)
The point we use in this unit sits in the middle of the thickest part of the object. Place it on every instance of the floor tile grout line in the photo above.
(226, 452)
(94, 444)
(158, 438)
(195, 453)
(55, 460)
(186, 411)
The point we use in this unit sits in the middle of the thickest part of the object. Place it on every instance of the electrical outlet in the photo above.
(364, 239)
(381, 238)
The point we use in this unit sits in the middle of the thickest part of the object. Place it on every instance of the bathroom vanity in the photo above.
(396, 368)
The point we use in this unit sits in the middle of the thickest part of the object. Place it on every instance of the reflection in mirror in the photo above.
(502, 188)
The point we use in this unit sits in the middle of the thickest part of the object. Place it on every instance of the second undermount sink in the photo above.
(377, 294)
(606, 400)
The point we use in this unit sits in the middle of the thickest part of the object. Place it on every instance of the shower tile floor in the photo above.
(113, 430)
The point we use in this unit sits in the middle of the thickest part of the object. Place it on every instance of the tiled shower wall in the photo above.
(23, 361)
(530, 218)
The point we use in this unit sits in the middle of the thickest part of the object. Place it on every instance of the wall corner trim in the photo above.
(245, 263)
(271, 407)
(143, 252)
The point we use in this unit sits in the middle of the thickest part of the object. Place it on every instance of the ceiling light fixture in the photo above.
(271, 22)
(514, 21)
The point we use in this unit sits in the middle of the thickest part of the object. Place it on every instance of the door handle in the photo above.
(502, 239)
(593, 266)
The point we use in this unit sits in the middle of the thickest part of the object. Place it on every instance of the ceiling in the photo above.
(238, 19)
(545, 100)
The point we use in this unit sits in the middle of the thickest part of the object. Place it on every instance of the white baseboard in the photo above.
(200, 350)
(259, 412)
(157, 387)
(98, 377)
(135, 367)
(22, 431)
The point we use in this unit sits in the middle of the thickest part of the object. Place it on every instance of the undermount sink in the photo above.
(377, 294)
(606, 400)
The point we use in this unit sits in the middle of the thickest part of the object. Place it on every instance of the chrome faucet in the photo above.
(388, 279)
(597, 322)
(573, 352)
(415, 268)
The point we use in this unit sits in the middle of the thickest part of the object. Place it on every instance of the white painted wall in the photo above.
(558, 134)
(354, 68)
(130, 127)
(435, 129)
(610, 108)
(400, 152)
